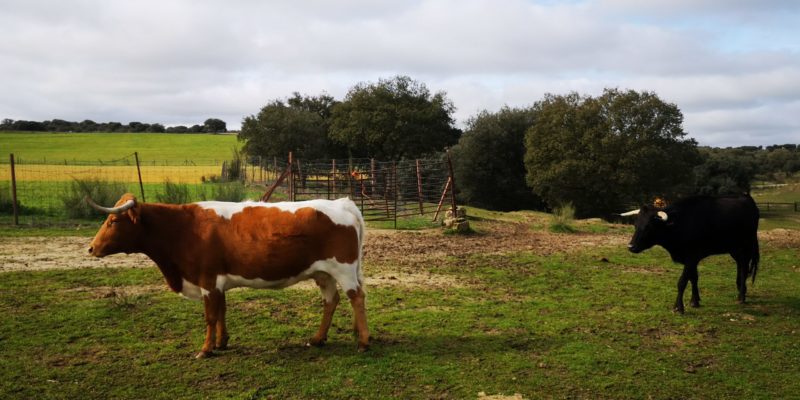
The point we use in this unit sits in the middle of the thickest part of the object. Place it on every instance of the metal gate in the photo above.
(383, 190)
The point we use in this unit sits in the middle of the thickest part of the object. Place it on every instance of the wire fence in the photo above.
(384, 191)
(49, 192)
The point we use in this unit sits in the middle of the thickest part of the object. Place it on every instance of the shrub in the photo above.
(562, 219)
(233, 170)
(6, 200)
(174, 193)
(101, 191)
(231, 191)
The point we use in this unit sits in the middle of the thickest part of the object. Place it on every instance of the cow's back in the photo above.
(705, 225)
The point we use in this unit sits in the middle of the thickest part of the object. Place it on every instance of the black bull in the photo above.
(697, 227)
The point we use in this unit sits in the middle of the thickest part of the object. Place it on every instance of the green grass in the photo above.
(55, 147)
(567, 325)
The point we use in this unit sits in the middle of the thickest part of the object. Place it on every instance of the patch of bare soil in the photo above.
(102, 292)
(496, 237)
(781, 238)
(484, 396)
(39, 253)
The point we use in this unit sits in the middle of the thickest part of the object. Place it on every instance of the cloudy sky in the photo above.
(731, 66)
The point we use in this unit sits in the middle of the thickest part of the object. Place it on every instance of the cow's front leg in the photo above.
(682, 281)
(211, 303)
(222, 330)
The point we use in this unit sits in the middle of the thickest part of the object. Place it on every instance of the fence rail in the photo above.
(43, 192)
(776, 206)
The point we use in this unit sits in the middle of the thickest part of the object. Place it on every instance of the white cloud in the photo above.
(182, 62)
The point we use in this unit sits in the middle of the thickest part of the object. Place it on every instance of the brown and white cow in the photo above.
(206, 248)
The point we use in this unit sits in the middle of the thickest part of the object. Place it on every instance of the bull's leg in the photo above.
(742, 269)
(330, 299)
(222, 330)
(693, 275)
(682, 281)
(211, 303)
(358, 301)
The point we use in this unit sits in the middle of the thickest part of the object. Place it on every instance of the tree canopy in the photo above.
(299, 124)
(488, 160)
(604, 153)
(393, 119)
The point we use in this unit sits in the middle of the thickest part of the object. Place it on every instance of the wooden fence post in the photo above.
(372, 176)
(333, 175)
(291, 177)
(14, 191)
(139, 172)
(452, 183)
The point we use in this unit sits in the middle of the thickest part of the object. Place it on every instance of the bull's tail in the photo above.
(754, 262)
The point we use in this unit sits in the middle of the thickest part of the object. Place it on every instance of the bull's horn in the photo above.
(629, 213)
(115, 210)
(662, 215)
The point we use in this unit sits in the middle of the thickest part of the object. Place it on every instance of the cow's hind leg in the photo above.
(358, 301)
(213, 303)
(349, 277)
(693, 275)
(742, 270)
(330, 299)
(682, 281)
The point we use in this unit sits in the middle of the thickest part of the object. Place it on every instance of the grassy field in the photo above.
(57, 147)
(593, 323)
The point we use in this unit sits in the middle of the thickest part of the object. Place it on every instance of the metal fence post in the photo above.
(139, 172)
(14, 191)
(419, 188)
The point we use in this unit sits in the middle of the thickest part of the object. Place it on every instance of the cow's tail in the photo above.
(754, 262)
(361, 230)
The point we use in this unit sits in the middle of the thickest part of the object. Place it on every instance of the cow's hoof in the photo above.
(678, 310)
(203, 354)
(315, 342)
(222, 344)
(362, 347)
(740, 301)
(695, 304)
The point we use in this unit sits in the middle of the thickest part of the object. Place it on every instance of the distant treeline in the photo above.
(211, 125)
(733, 169)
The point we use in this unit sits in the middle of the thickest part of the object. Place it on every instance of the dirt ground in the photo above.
(388, 253)
(381, 247)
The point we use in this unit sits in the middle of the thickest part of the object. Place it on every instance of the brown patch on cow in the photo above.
(272, 244)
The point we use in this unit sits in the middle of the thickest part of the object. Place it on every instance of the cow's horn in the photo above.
(662, 215)
(115, 210)
(629, 213)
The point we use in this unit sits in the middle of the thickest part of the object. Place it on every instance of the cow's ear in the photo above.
(133, 213)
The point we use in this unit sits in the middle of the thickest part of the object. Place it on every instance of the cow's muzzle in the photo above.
(634, 249)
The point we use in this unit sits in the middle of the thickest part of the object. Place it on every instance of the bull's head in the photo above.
(121, 230)
(650, 226)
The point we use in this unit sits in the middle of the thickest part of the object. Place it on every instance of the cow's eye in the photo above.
(112, 222)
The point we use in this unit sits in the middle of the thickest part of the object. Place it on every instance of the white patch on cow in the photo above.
(339, 211)
(192, 291)
(344, 273)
